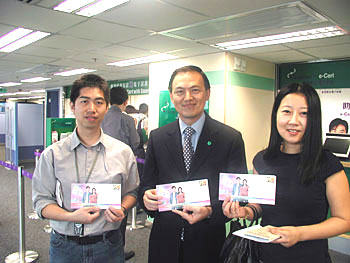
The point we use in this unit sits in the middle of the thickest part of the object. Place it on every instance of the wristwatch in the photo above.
(125, 211)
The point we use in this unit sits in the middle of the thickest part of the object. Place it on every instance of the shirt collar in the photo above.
(197, 126)
(75, 142)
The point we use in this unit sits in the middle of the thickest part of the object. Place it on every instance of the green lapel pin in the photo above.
(209, 143)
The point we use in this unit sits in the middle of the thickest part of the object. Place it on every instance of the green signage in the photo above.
(133, 86)
(329, 75)
(2, 90)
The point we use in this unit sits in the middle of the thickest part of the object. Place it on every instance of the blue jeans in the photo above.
(109, 250)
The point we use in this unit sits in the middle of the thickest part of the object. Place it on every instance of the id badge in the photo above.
(78, 229)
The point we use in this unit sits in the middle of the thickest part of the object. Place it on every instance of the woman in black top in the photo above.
(309, 181)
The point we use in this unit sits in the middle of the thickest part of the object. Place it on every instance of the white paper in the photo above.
(267, 237)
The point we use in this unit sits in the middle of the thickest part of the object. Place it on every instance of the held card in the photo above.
(176, 195)
(248, 188)
(91, 194)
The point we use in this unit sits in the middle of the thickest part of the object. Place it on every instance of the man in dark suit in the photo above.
(195, 234)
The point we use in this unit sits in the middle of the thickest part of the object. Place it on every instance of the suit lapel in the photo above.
(174, 146)
(205, 145)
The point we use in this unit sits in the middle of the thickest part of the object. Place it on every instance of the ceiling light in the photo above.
(36, 79)
(99, 7)
(37, 91)
(9, 84)
(69, 6)
(282, 38)
(142, 60)
(26, 40)
(74, 72)
(13, 36)
(87, 7)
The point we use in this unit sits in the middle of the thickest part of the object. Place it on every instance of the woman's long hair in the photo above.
(311, 151)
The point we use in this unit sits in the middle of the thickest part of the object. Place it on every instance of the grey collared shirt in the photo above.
(121, 126)
(115, 164)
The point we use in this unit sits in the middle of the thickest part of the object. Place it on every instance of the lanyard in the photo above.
(77, 169)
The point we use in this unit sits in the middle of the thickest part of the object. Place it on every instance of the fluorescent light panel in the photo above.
(36, 79)
(10, 84)
(87, 8)
(13, 36)
(69, 6)
(24, 41)
(99, 7)
(142, 60)
(74, 72)
(304, 35)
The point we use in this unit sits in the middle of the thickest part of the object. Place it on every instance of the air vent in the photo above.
(281, 16)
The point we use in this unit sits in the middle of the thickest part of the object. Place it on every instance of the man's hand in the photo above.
(194, 214)
(85, 215)
(113, 214)
(151, 200)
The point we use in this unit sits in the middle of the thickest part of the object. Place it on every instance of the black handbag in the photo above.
(237, 249)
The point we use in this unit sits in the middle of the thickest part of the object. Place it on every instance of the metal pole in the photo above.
(22, 256)
(134, 224)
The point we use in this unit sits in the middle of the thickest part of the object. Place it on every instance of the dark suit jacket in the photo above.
(220, 148)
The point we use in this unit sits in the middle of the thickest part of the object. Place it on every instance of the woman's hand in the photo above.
(289, 235)
(233, 209)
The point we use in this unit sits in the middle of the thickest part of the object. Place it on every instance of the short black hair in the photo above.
(89, 81)
(189, 69)
(338, 121)
(143, 108)
(119, 95)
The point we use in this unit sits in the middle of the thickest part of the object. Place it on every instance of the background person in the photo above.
(122, 127)
(195, 234)
(87, 155)
(309, 181)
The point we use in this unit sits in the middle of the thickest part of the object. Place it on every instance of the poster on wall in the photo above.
(335, 110)
(332, 82)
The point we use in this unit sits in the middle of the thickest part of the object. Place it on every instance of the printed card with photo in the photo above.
(176, 195)
(252, 188)
(100, 195)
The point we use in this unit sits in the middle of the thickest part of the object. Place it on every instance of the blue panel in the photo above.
(27, 152)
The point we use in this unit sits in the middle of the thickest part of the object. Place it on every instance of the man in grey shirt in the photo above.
(88, 234)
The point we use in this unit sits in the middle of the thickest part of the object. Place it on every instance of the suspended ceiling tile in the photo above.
(257, 50)
(108, 32)
(160, 43)
(29, 16)
(122, 52)
(283, 56)
(151, 14)
(70, 43)
(72, 64)
(187, 52)
(336, 51)
(26, 58)
(35, 50)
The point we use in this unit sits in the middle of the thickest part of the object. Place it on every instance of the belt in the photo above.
(87, 240)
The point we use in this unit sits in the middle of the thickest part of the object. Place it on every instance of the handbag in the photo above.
(237, 249)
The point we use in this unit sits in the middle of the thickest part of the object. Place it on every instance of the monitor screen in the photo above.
(338, 144)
